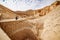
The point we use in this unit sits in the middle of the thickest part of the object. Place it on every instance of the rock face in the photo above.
(39, 12)
(20, 30)
(6, 13)
(51, 29)
(47, 9)
(38, 28)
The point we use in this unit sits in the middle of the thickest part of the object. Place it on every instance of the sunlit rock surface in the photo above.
(41, 24)
(52, 25)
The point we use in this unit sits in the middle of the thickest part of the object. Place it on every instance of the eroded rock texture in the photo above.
(20, 30)
(51, 29)
(41, 24)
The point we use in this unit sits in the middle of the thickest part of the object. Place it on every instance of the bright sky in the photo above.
(22, 5)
